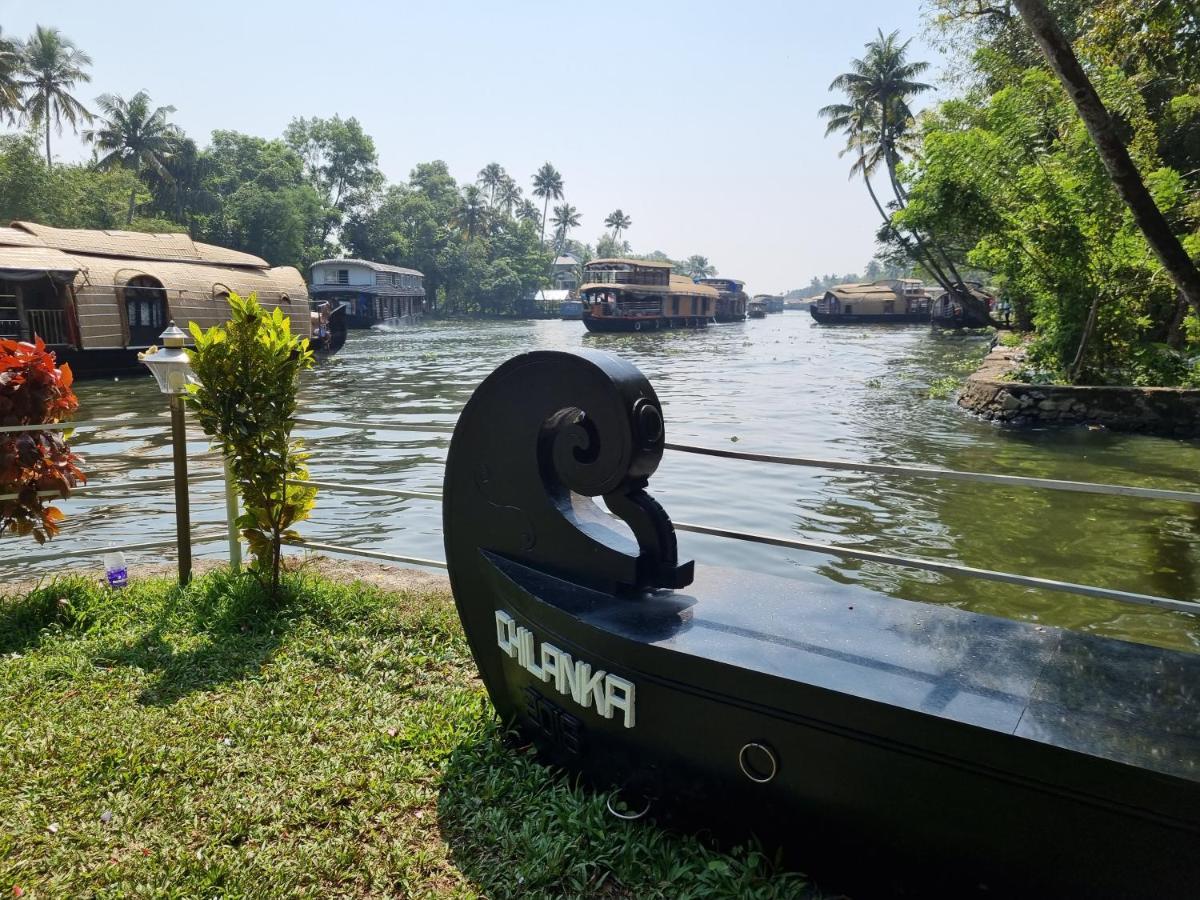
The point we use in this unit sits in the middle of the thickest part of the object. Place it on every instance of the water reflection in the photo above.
(776, 385)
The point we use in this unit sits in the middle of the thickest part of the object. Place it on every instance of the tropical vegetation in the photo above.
(1036, 187)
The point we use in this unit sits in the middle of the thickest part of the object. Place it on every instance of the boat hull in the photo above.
(924, 754)
(640, 323)
(869, 319)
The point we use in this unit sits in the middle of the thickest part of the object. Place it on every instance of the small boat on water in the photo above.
(571, 309)
(757, 308)
(642, 295)
(731, 298)
(894, 301)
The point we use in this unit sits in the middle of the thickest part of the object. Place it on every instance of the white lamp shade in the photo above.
(171, 367)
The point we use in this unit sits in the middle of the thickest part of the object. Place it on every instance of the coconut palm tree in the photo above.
(547, 184)
(699, 267)
(53, 66)
(491, 177)
(885, 81)
(508, 195)
(565, 218)
(134, 135)
(471, 214)
(527, 212)
(12, 64)
(877, 120)
(618, 222)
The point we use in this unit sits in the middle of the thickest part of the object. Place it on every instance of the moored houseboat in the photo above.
(948, 311)
(894, 301)
(96, 298)
(757, 308)
(372, 293)
(642, 295)
(731, 298)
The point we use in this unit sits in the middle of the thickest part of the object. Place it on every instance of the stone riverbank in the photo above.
(991, 393)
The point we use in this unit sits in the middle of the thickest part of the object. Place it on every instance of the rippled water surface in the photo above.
(776, 385)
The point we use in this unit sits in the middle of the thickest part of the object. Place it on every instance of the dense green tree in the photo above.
(268, 206)
(12, 65)
(53, 67)
(134, 135)
(1108, 138)
(340, 164)
(1010, 173)
(547, 184)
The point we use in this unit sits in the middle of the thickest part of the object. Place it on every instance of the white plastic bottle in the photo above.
(115, 570)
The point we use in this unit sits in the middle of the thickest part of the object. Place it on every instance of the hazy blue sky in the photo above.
(696, 118)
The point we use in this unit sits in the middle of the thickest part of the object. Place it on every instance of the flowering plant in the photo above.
(34, 391)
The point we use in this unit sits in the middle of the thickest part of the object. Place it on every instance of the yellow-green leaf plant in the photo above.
(249, 372)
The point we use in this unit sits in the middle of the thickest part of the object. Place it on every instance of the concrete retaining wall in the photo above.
(1154, 410)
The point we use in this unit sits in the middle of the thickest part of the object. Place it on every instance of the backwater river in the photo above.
(777, 385)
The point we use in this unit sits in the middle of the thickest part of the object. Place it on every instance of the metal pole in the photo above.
(183, 518)
(231, 514)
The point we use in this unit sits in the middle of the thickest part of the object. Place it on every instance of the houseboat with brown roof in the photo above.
(731, 298)
(894, 301)
(642, 295)
(98, 297)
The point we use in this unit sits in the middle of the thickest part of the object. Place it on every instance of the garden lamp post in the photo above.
(173, 372)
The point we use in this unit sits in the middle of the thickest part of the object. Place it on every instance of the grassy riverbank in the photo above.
(204, 742)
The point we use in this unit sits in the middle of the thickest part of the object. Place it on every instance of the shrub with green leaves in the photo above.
(249, 371)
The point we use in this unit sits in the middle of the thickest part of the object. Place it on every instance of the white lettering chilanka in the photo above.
(572, 678)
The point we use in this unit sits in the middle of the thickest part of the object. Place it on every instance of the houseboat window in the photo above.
(343, 276)
(848, 310)
(145, 310)
(675, 306)
(889, 306)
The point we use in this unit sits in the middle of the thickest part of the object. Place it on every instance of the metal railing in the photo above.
(884, 470)
(49, 324)
(185, 537)
(888, 471)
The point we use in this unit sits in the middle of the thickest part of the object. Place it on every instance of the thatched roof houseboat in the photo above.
(891, 301)
(98, 297)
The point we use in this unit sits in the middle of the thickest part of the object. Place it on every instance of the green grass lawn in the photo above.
(202, 742)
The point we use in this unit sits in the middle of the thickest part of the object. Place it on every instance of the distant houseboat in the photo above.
(98, 297)
(894, 301)
(772, 302)
(731, 298)
(642, 295)
(372, 293)
(757, 308)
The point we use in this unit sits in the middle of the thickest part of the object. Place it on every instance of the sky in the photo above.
(698, 119)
